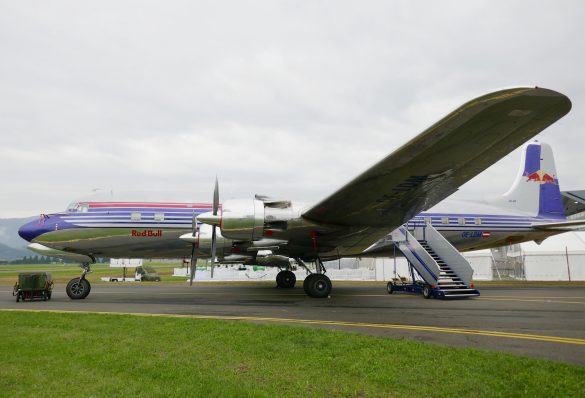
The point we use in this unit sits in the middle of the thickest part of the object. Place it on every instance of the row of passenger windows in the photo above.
(459, 220)
(137, 216)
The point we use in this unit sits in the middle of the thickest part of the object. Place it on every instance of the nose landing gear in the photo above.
(79, 288)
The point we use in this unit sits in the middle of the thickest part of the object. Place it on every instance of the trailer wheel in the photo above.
(390, 287)
(427, 292)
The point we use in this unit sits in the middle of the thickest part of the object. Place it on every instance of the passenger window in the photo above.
(445, 220)
(428, 220)
(461, 221)
(159, 216)
(135, 216)
(477, 221)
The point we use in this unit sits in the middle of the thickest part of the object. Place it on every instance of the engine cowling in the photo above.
(242, 219)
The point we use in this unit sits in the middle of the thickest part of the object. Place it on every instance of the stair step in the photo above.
(461, 295)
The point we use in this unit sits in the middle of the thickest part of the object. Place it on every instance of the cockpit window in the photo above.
(76, 207)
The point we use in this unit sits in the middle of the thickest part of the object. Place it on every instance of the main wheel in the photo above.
(319, 286)
(78, 288)
(390, 287)
(279, 279)
(427, 292)
(286, 279)
(306, 283)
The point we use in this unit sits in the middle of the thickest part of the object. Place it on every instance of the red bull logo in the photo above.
(148, 233)
(541, 177)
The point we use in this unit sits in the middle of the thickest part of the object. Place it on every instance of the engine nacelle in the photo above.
(272, 260)
(242, 219)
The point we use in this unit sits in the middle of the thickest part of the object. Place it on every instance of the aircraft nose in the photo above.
(29, 231)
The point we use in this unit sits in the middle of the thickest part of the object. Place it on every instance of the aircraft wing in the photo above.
(437, 162)
(572, 225)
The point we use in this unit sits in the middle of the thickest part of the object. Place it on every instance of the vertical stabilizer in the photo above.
(536, 188)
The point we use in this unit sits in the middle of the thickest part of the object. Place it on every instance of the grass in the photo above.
(50, 354)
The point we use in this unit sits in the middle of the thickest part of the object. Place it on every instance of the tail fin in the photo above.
(536, 189)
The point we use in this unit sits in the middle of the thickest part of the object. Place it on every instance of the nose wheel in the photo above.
(79, 288)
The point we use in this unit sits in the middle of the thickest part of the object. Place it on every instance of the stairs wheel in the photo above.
(427, 292)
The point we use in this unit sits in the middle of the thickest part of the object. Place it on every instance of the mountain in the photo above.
(10, 253)
(12, 246)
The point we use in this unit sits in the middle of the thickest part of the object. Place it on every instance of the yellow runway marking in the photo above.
(533, 300)
(489, 333)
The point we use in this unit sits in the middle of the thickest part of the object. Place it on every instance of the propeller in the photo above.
(213, 229)
(193, 264)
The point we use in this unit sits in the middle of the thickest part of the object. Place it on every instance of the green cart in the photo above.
(33, 285)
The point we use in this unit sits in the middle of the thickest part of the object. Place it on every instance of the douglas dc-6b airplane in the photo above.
(399, 193)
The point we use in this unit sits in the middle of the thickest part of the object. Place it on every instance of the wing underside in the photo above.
(437, 162)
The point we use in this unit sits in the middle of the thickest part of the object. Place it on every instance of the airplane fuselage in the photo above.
(153, 230)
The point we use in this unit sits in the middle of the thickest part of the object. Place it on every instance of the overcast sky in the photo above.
(289, 99)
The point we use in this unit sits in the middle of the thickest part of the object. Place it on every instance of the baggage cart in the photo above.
(33, 285)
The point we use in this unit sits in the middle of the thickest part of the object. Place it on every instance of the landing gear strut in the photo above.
(317, 284)
(79, 288)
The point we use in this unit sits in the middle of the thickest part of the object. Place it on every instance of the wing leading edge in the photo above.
(434, 164)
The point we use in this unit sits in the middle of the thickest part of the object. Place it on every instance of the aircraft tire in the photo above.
(306, 283)
(319, 286)
(279, 279)
(78, 289)
(390, 287)
(288, 279)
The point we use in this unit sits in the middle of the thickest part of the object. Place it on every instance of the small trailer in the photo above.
(33, 285)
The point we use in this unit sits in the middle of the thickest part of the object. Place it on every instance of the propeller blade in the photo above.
(215, 197)
(213, 230)
(213, 248)
(193, 264)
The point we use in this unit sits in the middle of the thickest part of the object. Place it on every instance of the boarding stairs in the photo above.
(438, 263)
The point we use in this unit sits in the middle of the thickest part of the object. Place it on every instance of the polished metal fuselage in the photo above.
(154, 231)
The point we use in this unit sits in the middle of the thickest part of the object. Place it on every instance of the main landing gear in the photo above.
(286, 279)
(317, 284)
(79, 288)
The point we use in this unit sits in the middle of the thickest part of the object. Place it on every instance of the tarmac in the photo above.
(537, 321)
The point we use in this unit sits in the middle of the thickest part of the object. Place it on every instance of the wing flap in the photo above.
(437, 162)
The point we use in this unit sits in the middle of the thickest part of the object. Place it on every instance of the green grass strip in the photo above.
(53, 354)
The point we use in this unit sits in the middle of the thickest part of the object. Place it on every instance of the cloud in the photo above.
(281, 98)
